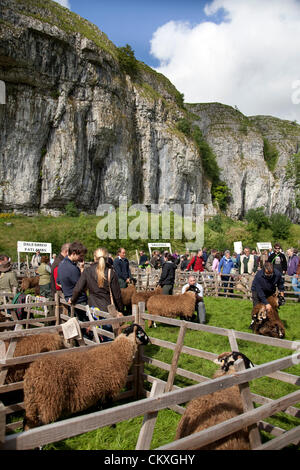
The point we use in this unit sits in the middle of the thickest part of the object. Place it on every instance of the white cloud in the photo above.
(250, 59)
(64, 3)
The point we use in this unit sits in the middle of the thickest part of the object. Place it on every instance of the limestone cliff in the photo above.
(76, 128)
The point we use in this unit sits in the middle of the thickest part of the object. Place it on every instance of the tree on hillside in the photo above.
(258, 217)
(280, 226)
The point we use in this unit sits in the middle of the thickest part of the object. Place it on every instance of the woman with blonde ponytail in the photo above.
(101, 282)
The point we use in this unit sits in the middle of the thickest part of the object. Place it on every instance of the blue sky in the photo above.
(242, 53)
(134, 22)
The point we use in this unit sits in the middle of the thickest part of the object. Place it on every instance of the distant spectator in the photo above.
(247, 262)
(121, 266)
(63, 253)
(184, 262)
(204, 255)
(293, 261)
(167, 277)
(36, 259)
(197, 262)
(278, 259)
(68, 274)
(44, 272)
(216, 262)
(225, 267)
(263, 258)
(176, 258)
(210, 260)
(155, 260)
(8, 279)
(53, 258)
(143, 261)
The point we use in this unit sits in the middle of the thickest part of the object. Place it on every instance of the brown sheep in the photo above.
(64, 385)
(144, 296)
(214, 408)
(127, 293)
(182, 305)
(30, 283)
(32, 344)
(267, 323)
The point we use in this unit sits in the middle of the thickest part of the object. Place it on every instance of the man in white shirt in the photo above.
(200, 307)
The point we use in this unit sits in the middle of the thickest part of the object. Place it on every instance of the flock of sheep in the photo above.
(59, 386)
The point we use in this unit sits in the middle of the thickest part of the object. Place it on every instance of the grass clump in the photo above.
(270, 154)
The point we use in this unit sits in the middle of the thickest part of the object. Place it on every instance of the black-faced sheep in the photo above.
(172, 306)
(32, 344)
(268, 323)
(58, 386)
(209, 410)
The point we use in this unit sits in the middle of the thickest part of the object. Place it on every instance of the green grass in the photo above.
(226, 313)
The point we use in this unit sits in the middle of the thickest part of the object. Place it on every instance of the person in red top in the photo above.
(63, 253)
(197, 263)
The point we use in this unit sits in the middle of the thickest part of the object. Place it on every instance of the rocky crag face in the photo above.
(76, 128)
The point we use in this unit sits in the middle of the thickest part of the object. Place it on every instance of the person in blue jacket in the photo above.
(225, 266)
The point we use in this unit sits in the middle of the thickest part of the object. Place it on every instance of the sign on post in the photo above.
(32, 247)
(264, 246)
(159, 245)
(238, 247)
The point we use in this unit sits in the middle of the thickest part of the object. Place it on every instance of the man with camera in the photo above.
(198, 289)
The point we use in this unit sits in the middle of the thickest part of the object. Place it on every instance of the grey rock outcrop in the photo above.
(76, 128)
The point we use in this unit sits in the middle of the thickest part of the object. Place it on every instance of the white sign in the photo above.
(264, 246)
(159, 245)
(32, 247)
(238, 247)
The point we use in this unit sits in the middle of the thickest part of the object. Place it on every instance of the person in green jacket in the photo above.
(8, 279)
(44, 272)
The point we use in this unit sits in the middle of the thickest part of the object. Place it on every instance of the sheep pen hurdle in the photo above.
(238, 286)
(8, 361)
(165, 395)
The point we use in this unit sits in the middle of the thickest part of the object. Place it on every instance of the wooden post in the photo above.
(176, 355)
(254, 435)
(146, 432)
(57, 309)
(141, 308)
(9, 354)
(135, 365)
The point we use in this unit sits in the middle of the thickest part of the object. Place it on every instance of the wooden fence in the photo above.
(163, 393)
(235, 285)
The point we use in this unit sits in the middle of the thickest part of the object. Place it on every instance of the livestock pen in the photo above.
(237, 286)
(165, 395)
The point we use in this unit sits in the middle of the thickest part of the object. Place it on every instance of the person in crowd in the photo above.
(199, 306)
(110, 259)
(293, 261)
(204, 255)
(247, 263)
(8, 279)
(143, 261)
(53, 258)
(210, 260)
(121, 266)
(293, 270)
(36, 259)
(185, 259)
(197, 262)
(155, 260)
(68, 273)
(263, 258)
(176, 258)
(44, 272)
(54, 266)
(265, 283)
(216, 262)
(278, 259)
(102, 284)
(167, 277)
(225, 267)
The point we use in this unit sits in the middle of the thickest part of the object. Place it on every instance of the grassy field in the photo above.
(227, 313)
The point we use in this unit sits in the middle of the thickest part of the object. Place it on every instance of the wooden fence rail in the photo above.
(172, 397)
